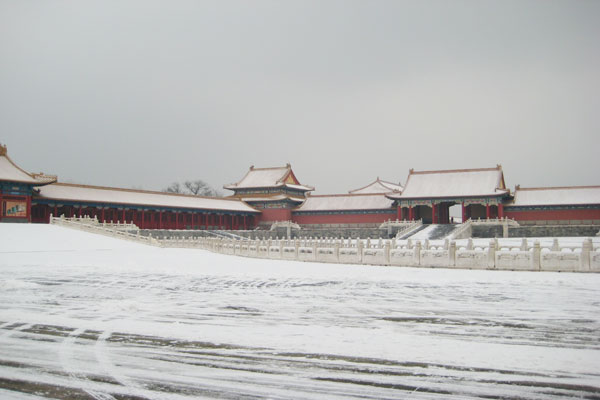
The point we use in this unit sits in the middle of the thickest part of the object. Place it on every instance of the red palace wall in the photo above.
(344, 218)
(553, 215)
(275, 214)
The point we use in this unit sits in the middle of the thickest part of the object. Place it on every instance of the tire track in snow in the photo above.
(66, 356)
(102, 355)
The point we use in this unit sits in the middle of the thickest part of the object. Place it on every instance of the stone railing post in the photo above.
(491, 259)
(452, 254)
(524, 245)
(417, 253)
(386, 252)
(535, 256)
(586, 249)
(359, 247)
(337, 251)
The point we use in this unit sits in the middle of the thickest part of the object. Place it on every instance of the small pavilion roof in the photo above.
(378, 186)
(269, 178)
(457, 183)
(11, 172)
(346, 202)
(143, 198)
(556, 196)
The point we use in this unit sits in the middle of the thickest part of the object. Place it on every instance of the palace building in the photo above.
(266, 195)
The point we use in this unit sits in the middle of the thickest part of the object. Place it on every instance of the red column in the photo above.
(220, 221)
(245, 223)
(142, 220)
(207, 217)
(28, 208)
(55, 210)
(500, 210)
(433, 214)
(124, 216)
(2, 206)
(160, 220)
(410, 213)
(464, 212)
(399, 213)
(487, 211)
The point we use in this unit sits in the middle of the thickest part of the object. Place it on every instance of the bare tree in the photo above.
(196, 188)
(174, 187)
(200, 188)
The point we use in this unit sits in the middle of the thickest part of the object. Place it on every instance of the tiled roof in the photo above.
(378, 186)
(546, 196)
(268, 177)
(9, 171)
(98, 194)
(339, 202)
(454, 184)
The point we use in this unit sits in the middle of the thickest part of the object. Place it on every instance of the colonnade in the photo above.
(439, 213)
(151, 219)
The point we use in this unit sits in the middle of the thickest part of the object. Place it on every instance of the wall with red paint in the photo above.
(275, 214)
(552, 215)
(344, 218)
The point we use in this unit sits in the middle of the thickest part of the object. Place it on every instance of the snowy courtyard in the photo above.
(86, 316)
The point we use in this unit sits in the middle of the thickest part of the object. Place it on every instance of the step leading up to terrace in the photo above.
(432, 232)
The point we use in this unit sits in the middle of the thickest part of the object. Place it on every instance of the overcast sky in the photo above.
(141, 93)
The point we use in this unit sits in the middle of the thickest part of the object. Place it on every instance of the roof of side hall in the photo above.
(556, 196)
(10, 172)
(106, 195)
(269, 177)
(480, 182)
(342, 202)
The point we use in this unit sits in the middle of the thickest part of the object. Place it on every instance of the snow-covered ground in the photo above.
(86, 316)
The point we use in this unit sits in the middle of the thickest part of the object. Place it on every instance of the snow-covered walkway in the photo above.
(86, 316)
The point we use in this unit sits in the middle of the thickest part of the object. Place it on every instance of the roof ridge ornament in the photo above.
(3, 150)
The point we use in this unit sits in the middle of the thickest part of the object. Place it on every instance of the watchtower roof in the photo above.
(273, 177)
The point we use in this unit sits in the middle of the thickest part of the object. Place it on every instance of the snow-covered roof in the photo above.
(97, 194)
(556, 196)
(378, 186)
(453, 183)
(267, 198)
(269, 177)
(9, 171)
(339, 202)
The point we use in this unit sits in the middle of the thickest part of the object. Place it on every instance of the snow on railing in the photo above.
(411, 226)
(118, 230)
(494, 221)
(528, 255)
(503, 254)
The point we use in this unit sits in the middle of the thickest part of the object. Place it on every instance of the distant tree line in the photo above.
(196, 188)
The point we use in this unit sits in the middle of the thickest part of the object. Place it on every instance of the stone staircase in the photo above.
(437, 231)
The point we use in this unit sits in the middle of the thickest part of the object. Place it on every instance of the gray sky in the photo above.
(140, 93)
